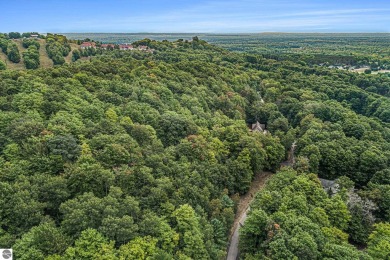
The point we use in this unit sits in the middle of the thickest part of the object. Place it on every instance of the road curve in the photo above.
(243, 209)
(257, 184)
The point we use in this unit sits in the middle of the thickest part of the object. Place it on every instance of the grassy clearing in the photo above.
(380, 71)
(10, 64)
(362, 70)
(3, 58)
(73, 46)
(44, 59)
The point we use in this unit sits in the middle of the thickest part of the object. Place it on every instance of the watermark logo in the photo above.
(6, 254)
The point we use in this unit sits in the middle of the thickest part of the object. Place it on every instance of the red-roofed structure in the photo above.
(126, 47)
(106, 46)
(86, 45)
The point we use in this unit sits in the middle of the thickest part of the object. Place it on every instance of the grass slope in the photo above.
(73, 46)
(10, 64)
(44, 59)
(3, 57)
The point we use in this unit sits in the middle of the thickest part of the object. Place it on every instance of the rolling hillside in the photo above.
(45, 61)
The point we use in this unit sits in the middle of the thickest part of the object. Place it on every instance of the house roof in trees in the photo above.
(105, 46)
(88, 45)
(329, 186)
(126, 46)
(257, 127)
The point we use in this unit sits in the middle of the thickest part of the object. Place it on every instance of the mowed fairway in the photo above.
(73, 46)
(45, 61)
(10, 64)
(3, 57)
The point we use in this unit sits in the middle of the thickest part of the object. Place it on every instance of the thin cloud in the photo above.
(244, 16)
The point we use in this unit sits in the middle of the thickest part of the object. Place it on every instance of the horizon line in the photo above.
(232, 33)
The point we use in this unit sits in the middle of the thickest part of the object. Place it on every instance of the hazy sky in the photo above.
(229, 16)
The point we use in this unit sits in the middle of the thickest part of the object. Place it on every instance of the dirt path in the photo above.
(243, 208)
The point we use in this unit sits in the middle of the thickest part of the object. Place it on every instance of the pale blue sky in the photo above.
(209, 16)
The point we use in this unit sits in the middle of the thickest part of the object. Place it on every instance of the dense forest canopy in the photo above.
(143, 155)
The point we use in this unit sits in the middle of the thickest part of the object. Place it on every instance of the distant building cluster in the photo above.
(123, 47)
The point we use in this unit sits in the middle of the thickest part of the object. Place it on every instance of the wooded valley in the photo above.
(144, 155)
